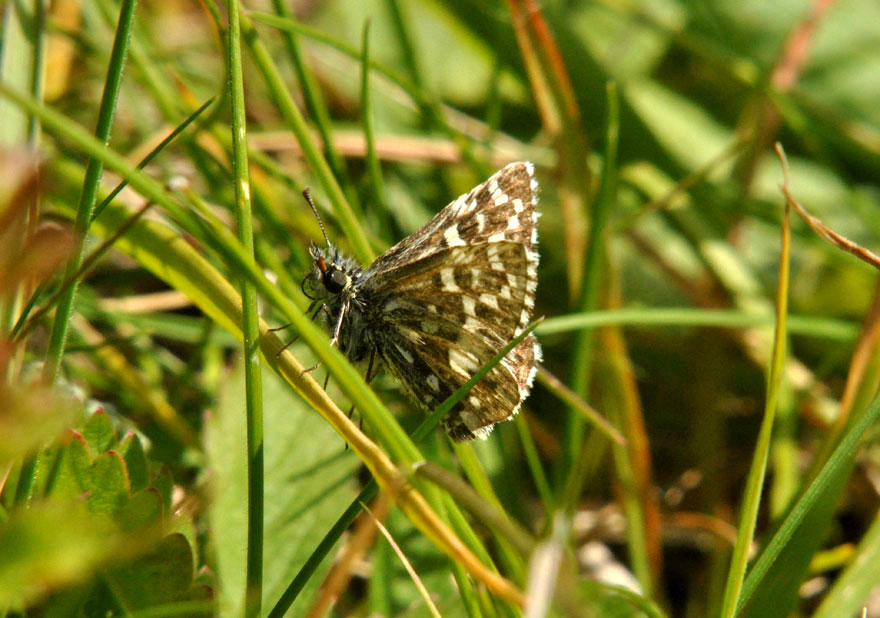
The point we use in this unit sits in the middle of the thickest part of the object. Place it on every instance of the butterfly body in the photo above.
(443, 301)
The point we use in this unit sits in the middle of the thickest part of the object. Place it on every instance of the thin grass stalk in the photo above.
(805, 326)
(166, 141)
(313, 98)
(841, 459)
(112, 85)
(509, 551)
(250, 321)
(591, 284)
(752, 499)
(533, 460)
(177, 261)
(372, 159)
(349, 223)
(369, 491)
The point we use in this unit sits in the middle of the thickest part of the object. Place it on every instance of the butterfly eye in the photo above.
(334, 280)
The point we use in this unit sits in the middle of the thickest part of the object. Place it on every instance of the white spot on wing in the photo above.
(433, 382)
(470, 306)
(489, 300)
(404, 353)
(513, 222)
(496, 237)
(462, 363)
(447, 277)
(452, 237)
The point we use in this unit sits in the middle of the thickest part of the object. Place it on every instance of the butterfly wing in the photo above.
(500, 209)
(451, 295)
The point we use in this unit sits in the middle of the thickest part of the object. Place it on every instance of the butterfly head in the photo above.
(332, 274)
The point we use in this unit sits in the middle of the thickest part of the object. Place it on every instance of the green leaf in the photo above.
(143, 510)
(162, 576)
(163, 482)
(309, 477)
(107, 483)
(31, 417)
(135, 461)
(73, 467)
(99, 433)
(53, 544)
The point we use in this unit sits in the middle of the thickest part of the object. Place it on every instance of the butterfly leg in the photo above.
(338, 330)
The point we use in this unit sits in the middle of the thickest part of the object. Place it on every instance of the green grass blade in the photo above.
(250, 322)
(755, 483)
(372, 159)
(590, 287)
(349, 223)
(89, 193)
(166, 141)
(853, 587)
(808, 326)
(312, 94)
(822, 492)
(369, 492)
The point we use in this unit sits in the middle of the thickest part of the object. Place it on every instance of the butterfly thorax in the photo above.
(336, 281)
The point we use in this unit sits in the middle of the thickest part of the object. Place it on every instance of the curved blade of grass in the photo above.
(369, 492)
(590, 287)
(112, 85)
(167, 254)
(297, 124)
(167, 141)
(312, 94)
(824, 489)
(755, 482)
(372, 159)
(95, 255)
(839, 330)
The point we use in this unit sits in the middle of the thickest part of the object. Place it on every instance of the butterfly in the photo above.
(441, 303)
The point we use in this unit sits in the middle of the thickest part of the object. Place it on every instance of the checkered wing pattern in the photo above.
(449, 296)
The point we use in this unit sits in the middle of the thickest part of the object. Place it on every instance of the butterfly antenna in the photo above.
(308, 195)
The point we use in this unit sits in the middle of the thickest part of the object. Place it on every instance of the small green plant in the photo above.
(90, 526)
